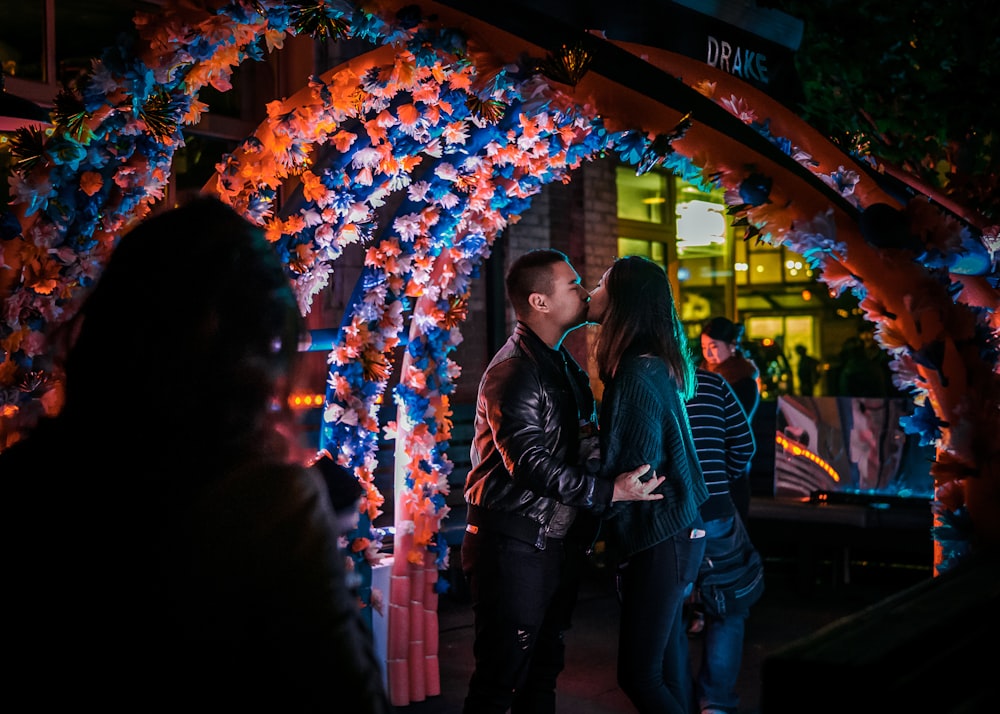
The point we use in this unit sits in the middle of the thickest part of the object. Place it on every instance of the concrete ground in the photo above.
(793, 606)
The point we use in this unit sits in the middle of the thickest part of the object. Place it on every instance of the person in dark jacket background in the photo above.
(807, 370)
(163, 549)
(532, 484)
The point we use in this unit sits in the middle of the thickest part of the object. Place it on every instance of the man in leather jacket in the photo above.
(532, 492)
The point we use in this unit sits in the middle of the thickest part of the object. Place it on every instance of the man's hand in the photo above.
(630, 487)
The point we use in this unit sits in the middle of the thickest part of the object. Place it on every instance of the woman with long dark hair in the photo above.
(644, 362)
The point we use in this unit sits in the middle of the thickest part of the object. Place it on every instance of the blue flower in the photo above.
(630, 146)
(923, 422)
(755, 189)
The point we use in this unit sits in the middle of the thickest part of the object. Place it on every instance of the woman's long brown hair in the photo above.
(641, 317)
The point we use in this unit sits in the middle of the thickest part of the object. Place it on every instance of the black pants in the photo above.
(522, 599)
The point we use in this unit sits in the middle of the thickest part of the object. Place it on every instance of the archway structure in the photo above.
(423, 150)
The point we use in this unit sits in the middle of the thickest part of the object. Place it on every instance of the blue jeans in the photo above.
(722, 651)
(653, 665)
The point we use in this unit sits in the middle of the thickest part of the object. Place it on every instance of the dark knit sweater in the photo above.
(722, 438)
(643, 421)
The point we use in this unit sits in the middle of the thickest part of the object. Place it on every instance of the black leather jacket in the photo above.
(526, 450)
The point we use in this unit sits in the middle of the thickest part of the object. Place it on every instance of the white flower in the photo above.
(366, 158)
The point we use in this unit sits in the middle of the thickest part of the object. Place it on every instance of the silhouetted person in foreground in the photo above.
(162, 551)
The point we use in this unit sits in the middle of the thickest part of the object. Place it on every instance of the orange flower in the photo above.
(408, 115)
(343, 140)
(705, 88)
(460, 80)
(428, 93)
(41, 274)
(312, 187)
(294, 224)
(376, 131)
(91, 182)
(403, 72)
(408, 163)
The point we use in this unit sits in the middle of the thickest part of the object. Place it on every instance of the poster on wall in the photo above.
(848, 448)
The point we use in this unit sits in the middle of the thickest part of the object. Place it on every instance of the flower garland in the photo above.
(468, 193)
(480, 143)
(102, 166)
(944, 342)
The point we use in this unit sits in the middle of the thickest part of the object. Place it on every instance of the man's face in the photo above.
(568, 299)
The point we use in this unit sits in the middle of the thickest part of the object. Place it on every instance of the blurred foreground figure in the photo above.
(163, 550)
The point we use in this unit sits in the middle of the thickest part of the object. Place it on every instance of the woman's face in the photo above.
(716, 351)
(598, 305)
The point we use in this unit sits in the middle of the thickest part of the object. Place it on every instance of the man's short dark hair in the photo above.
(531, 273)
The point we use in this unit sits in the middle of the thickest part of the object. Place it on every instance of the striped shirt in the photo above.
(722, 438)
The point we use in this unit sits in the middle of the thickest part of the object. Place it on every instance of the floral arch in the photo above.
(423, 150)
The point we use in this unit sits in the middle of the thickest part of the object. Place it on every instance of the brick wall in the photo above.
(579, 218)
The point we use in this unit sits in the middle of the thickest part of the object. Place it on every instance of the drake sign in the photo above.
(753, 43)
(743, 62)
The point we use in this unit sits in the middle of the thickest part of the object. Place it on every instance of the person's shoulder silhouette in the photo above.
(160, 514)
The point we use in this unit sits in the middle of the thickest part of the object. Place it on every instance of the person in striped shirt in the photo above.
(725, 444)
